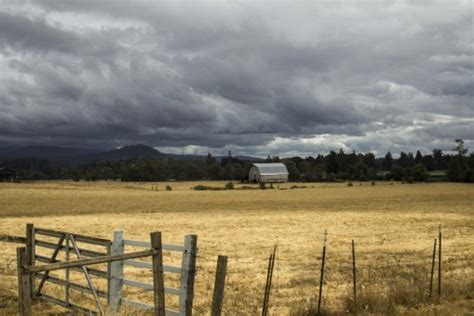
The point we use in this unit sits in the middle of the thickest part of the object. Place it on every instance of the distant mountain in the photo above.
(123, 153)
(67, 155)
(54, 153)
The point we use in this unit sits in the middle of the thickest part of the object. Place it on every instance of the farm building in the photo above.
(7, 174)
(268, 173)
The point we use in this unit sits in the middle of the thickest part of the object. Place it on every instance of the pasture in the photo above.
(393, 226)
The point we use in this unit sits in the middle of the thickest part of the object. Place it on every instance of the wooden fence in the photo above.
(186, 272)
(116, 258)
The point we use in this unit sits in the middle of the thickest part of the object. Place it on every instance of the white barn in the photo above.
(268, 173)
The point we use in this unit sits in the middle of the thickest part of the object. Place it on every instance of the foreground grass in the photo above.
(393, 227)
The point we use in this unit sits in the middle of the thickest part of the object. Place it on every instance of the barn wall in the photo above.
(274, 178)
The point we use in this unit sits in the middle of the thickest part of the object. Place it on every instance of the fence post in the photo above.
(30, 253)
(116, 274)
(158, 281)
(432, 269)
(24, 286)
(218, 297)
(268, 285)
(188, 272)
(354, 273)
(439, 265)
(322, 272)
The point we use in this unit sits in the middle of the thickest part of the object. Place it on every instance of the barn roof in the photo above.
(271, 168)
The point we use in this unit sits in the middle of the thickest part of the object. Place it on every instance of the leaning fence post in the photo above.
(439, 264)
(158, 280)
(116, 273)
(188, 268)
(24, 286)
(322, 272)
(432, 269)
(30, 253)
(268, 285)
(354, 273)
(219, 285)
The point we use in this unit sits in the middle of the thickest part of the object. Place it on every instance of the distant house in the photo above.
(268, 173)
(7, 174)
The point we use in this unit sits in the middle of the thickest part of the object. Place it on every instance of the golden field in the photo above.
(393, 226)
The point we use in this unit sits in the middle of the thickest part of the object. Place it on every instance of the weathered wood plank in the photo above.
(187, 277)
(85, 252)
(116, 274)
(13, 239)
(89, 261)
(24, 288)
(147, 244)
(149, 265)
(219, 284)
(149, 286)
(30, 253)
(158, 280)
(72, 285)
(77, 237)
(94, 272)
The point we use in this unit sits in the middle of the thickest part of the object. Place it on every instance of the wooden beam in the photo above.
(158, 280)
(89, 261)
(13, 239)
(24, 288)
(219, 284)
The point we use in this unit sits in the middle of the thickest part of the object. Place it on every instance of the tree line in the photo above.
(436, 166)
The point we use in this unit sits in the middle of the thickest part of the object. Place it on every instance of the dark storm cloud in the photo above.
(281, 78)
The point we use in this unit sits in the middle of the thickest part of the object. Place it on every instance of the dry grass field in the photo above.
(393, 226)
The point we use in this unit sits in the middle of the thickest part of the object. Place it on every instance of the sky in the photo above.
(255, 77)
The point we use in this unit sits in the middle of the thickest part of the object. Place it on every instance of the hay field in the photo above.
(393, 227)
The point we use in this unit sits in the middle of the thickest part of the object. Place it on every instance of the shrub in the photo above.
(349, 184)
(169, 188)
(229, 185)
(410, 179)
(373, 183)
(263, 186)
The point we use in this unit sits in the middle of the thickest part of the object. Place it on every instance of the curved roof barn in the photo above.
(268, 172)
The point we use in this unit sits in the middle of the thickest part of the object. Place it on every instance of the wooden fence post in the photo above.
(188, 268)
(24, 286)
(116, 274)
(439, 265)
(322, 272)
(354, 273)
(219, 284)
(432, 269)
(158, 280)
(30, 253)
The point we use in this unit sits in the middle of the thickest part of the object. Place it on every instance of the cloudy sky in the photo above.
(258, 77)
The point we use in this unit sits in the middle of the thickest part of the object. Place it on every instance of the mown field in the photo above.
(393, 226)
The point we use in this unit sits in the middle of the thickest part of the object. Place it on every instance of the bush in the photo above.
(373, 183)
(169, 188)
(263, 186)
(349, 184)
(229, 186)
(410, 179)
(205, 188)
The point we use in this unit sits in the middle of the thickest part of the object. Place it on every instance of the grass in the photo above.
(393, 227)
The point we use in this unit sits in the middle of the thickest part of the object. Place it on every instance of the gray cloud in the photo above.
(257, 77)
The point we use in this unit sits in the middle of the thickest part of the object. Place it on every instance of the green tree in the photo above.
(387, 162)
